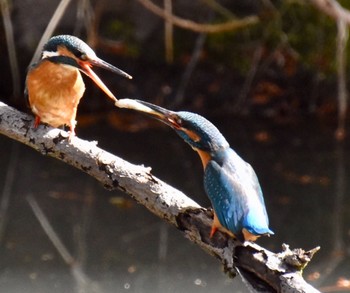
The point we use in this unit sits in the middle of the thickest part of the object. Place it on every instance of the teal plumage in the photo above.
(230, 183)
(234, 191)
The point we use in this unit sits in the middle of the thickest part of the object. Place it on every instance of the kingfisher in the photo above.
(54, 85)
(230, 183)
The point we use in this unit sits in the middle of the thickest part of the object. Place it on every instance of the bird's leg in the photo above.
(72, 129)
(37, 121)
(212, 231)
(249, 236)
(71, 134)
(215, 225)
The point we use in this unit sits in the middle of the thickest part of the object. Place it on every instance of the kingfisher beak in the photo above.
(85, 66)
(166, 116)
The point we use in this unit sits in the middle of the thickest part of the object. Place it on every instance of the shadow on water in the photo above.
(118, 246)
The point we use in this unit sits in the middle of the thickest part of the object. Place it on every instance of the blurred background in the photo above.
(271, 75)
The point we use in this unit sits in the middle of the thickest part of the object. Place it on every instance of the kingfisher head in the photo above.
(71, 51)
(197, 131)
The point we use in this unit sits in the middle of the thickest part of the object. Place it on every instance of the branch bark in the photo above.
(198, 27)
(333, 9)
(262, 270)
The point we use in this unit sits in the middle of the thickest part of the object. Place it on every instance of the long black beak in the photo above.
(166, 116)
(85, 66)
(103, 64)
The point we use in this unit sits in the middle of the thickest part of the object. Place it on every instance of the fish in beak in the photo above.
(168, 117)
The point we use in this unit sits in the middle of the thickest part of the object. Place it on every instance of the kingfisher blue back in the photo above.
(230, 183)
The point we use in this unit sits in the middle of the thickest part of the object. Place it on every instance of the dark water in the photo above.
(120, 247)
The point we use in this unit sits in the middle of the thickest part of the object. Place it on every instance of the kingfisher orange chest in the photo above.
(54, 86)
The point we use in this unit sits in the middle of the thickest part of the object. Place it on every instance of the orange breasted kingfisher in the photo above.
(230, 183)
(54, 85)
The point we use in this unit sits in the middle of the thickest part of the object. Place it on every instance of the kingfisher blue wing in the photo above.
(235, 194)
(230, 183)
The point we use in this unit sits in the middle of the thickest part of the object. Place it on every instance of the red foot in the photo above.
(212, 231)
(37, 121)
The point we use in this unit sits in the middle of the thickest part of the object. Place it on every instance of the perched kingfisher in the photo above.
(230, 183)
(54, 85)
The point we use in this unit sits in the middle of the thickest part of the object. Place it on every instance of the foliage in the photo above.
(292, 24)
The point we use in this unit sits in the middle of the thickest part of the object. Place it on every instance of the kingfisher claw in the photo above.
(54, 86)
(213, 231)
(36, 121)
(230, 183)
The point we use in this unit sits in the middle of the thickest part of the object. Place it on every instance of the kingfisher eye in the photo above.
(175, 121)
(83, 57)
(178, 121)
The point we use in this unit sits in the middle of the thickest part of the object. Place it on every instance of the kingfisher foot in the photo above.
(71, 134)
(72, 125)
(247, 236)
(37, 121)
(212, 231)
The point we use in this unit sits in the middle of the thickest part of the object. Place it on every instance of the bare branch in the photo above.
(11, 47)
(10, 179)
(83, 281)
(169, 34)
(195, 26)
(61, 8)
(342, 17)
(333, 9)
(263, 270)
(342, 39)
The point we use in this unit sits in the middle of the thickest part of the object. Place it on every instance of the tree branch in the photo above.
(195, 26)
(333, 9)
(261, 269)
(342, 17)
